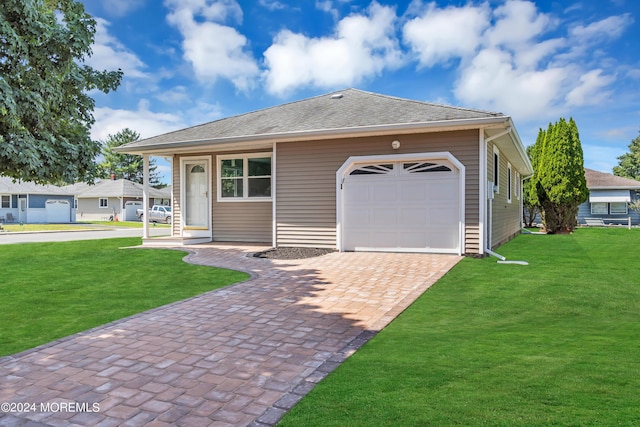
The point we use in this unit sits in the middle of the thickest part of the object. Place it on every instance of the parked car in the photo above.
(157, 213)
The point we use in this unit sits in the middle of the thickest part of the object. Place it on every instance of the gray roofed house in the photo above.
(28, 202)
(609, 199)
(349, 170)
(114, 198)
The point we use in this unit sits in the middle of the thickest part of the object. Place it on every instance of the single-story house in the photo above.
(27, 202)
(350, 170)
(114, 198)
(609, 198)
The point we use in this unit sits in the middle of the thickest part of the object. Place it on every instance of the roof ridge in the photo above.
(435, 104)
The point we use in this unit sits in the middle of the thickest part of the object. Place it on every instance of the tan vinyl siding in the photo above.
(506, 216)
(306, 182)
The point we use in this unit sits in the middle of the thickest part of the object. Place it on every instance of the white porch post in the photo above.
(145, 196)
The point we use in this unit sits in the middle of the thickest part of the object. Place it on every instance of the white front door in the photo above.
(196, 202)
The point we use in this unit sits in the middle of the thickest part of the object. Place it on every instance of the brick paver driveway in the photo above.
(242, 355)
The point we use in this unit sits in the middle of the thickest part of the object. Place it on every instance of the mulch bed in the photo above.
(292, 253)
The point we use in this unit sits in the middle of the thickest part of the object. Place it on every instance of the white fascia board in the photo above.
(265, 140)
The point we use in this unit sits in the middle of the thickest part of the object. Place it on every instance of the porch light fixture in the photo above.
(395, 144)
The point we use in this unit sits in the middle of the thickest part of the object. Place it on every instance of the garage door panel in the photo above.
(383, 239)
(442, 239)
(358, 217)
(413, 192)
(415, 216)
(387, 217)
(359, 193)
(412, 239)
(385, 192)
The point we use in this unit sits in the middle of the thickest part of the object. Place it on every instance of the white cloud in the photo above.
(110, 54)
(213, 49)
(590, 91)
(508, 62)
(492, 81)
(611, 27)
(362, 46)
(110, 121)
(272, 4)
(439, 35)
(517, 24)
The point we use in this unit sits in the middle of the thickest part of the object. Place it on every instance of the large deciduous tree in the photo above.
(45, 109)
(629, 163)
(127, 166)
(559, 180)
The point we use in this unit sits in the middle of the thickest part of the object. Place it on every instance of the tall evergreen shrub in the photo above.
(559, 181)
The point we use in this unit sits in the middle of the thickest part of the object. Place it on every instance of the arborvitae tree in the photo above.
(560, 183)
(530, 203)
(629, 163)
(125, 166)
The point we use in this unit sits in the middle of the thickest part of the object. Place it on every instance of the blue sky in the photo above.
(188, 62)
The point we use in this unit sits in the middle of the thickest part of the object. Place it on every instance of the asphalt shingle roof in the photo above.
(115, 188)
(597, 179)
(347, 109)
(7, 186)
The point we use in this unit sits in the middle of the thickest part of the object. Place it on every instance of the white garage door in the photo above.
(58, 211)
(408, 206)
(130, 209)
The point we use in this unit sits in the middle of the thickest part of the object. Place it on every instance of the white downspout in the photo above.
(274, 238)
(482, 199)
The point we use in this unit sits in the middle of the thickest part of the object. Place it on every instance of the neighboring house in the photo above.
(114, 198)
(27, 202)
(350, 170)
(609, 198)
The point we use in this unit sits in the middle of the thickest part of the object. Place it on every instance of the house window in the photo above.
(244, 177)
(496, 169)
(599, 208)
(618, 208)
(5, 202)
(103, 202)
(509, 183)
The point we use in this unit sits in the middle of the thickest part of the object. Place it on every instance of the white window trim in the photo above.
(599, 203)
(100, 199)
(626, 208)
(245, 178)
(10, 201)
(509, 183)
(496, 170)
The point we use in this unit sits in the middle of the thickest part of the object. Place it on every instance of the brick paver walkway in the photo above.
(242, 355)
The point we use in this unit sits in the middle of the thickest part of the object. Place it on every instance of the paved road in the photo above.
(65, 236)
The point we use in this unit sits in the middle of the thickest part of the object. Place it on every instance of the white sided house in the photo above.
(350, 170)
(109, 199)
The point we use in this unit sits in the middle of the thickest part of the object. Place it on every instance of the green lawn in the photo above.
(51, 290)
(555, 343)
